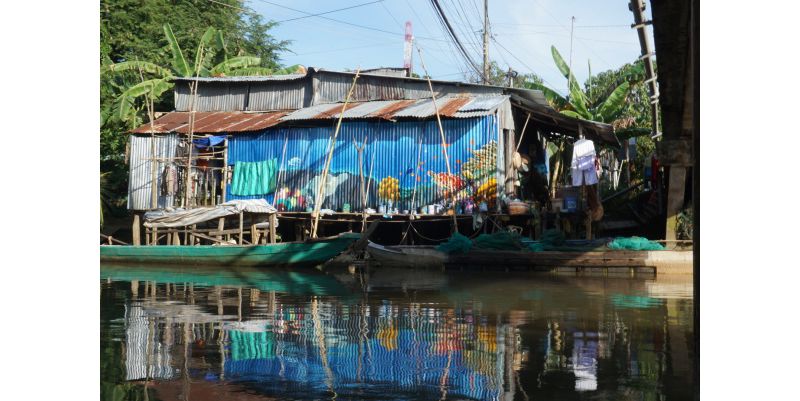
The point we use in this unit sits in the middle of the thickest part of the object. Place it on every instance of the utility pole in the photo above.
(637, 7)
(485, 41)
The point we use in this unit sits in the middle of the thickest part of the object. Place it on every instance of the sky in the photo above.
(522, 33)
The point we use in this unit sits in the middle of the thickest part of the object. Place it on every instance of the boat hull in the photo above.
(282, 254)
(407, 256)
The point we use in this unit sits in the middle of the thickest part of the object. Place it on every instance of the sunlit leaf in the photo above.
(178, 61)
(614, 103)
(136, 66)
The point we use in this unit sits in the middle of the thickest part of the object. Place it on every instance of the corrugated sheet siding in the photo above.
(394, 146)
(277, 95)
(139, 182)
(211, 96)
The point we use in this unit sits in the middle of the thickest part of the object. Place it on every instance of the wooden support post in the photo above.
(241, 228)
(253, 234)
(155, 236)
(675, 193)
(176, 239)
(220, 227)
(273, 222)
(136, 230)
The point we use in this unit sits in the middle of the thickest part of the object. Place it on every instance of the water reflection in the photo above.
(427, 336)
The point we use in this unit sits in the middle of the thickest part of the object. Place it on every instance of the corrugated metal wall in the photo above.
(321, 88)
(279, 95)
(139, 181)
(391, 147)
(212, 96)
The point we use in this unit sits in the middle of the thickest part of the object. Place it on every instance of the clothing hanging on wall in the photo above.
(169, 180)
(584, 163)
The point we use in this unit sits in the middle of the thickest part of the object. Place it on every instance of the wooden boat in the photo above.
(306, 253)
(415, 256)
(427, 256)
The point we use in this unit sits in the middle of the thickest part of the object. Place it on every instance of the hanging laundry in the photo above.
(169, 180)
(583, 167)
(254, 178)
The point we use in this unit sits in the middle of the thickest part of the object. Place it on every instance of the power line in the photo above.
(438, 44)
(229, 5)
(553, 87)
(446, 24)
(565, 28)
(332, 11)
(341, 21)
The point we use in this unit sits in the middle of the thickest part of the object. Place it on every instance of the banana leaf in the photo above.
(205, 41)
(231, 64)
(178, 61)
(137, 66)
(614, 102)
(251, 71)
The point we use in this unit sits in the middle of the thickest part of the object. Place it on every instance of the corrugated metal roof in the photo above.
(212, 122)
(257, 78)
(449, 106)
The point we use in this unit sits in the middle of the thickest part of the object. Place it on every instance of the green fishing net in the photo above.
(635, 244)
(501, 240)
(456, 244)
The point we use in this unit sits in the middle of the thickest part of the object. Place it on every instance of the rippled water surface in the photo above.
(250, 334)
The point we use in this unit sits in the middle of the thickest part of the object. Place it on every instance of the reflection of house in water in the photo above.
(383, 349)
(154, 329)
(146, 356)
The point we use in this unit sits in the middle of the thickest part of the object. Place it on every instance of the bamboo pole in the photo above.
(369, 184)
(414, 194)
(318, 196)
(444, 140)
(278, 191)
(192, 105)
(360, 150)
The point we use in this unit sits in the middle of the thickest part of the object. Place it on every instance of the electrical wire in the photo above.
(449, 29)
(331, 11)
(526, 66)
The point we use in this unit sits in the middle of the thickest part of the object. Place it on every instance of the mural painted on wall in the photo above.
(403, 164)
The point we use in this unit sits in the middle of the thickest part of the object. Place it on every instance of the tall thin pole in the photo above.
(449, 180)
(485, 41)
(571, 30)
(319, 196)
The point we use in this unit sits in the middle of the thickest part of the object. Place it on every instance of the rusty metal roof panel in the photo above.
(212, 122)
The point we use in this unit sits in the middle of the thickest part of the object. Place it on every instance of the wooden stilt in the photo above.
(220, 227)
(241, 228)
(176, 239)
(253, 234)
(675, 193)
(136, 230)
(273, 222)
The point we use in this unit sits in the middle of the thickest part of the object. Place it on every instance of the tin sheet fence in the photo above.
(389, 163)
(141, 173)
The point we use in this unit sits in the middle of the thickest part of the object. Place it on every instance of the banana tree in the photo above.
(160, 77)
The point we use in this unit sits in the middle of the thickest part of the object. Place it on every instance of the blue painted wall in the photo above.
(391, 154)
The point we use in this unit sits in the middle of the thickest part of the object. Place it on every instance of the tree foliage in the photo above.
(135, 46)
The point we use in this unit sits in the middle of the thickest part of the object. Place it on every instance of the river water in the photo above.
(392, 334)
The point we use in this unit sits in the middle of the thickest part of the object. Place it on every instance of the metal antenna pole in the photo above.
(485, 41)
